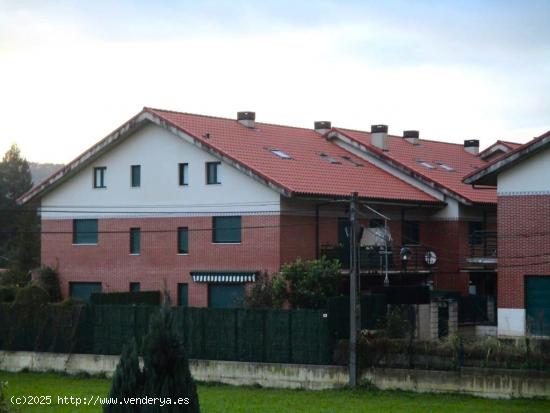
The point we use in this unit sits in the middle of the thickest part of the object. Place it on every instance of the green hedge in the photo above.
(126, 298)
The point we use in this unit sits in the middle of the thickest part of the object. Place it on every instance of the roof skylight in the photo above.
(280, 154)
(446, 167)
(351, 161)
(426, 164)
(329, 158)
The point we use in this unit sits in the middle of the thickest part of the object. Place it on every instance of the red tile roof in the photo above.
(408, 155)
(307, 172)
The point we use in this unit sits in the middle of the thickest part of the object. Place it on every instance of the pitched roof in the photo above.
(408, 156)
(250, 150)
(487, 175)
(499, 145)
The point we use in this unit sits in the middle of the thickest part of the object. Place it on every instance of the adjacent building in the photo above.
(201, 206)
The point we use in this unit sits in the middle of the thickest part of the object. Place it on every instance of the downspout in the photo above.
(317, 231)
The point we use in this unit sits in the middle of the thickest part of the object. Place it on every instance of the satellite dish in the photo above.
(430, 257)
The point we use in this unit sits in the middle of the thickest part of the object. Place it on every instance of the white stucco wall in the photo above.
(532, 175)
(511, 322)
(159, 152)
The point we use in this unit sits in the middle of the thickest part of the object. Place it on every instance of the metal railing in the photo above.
(483, 244)
(372, 259)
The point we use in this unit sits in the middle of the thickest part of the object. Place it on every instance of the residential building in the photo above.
(523, 188)
(201, 205)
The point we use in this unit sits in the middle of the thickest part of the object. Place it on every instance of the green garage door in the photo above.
(225, 295)
(538, 305)
(83, 290)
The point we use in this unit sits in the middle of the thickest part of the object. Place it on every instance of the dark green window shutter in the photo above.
(225, 295)
(136, 175)
(183, 295)
(183, 240)
(83, 290)
(135, 287)
(226, 229)
(85, 231)
(135, 240)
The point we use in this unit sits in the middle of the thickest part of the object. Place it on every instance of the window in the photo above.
(183, 174)
(329, 158)
(135, 287)
(411, 233)
(135, 241)
(280, 154)
(475, 235)
(183, 295)
(136, 175)
(83, 290)
(226, 230)
(85, 231)
(183, 240)
(99, 177)
(213, 173)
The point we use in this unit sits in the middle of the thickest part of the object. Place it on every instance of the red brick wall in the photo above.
(110, 262)
(523, 231)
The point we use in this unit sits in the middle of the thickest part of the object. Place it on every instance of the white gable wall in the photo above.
(159, 152)
(532, 175)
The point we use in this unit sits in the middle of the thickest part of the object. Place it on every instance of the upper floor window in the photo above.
(226, 230)
(99, 177)
(183, 240)
(183, 174)
(135, 175)
(213, 173)
(475, 234)
(411, 233)
(85, 231)
(135, 241)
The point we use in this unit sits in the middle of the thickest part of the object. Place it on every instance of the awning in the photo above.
(223, 277)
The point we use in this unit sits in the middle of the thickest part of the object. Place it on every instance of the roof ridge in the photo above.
(400, 137)
(224, 118)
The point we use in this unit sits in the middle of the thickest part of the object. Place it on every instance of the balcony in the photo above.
(483, 248)
(372, 259)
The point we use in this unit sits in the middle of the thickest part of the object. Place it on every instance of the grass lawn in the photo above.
(227, 399)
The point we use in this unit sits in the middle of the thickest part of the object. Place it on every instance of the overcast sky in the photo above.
(72, 71)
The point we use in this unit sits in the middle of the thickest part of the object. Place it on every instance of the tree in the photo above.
(127, 382)
(166, 367)
(19, 238)
(311, 283)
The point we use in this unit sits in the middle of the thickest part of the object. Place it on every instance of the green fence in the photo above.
(278, 336)
(373, 312)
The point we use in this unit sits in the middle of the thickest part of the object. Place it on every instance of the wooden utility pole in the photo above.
(353, 277)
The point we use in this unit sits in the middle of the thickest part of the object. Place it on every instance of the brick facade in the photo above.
(523, 244)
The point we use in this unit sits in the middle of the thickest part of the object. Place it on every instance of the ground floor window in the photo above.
(135, 287)
(83, 290)
(225, 295)
(183, 295)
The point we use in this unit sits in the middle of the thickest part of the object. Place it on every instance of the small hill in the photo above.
(41, 171)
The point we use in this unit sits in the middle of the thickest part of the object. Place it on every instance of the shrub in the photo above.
(49, 281)
(264, 294)
(309, 284)
(4, 406)
(127, 381)
(7, 294)
(31, 295)
(166, 367)
(15, 278)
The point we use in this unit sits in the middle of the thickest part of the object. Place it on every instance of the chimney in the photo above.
(322, 126)
(472, 146)
(247, 119)
(411, 136)
(379, 136)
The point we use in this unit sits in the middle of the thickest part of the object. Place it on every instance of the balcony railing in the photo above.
(483, 247)
(373, 259)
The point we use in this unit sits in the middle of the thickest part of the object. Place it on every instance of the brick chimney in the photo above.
(411, 136)
(379, 136)
(247, 119)
(472, 146)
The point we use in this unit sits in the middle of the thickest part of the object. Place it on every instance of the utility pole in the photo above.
(353, 277)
